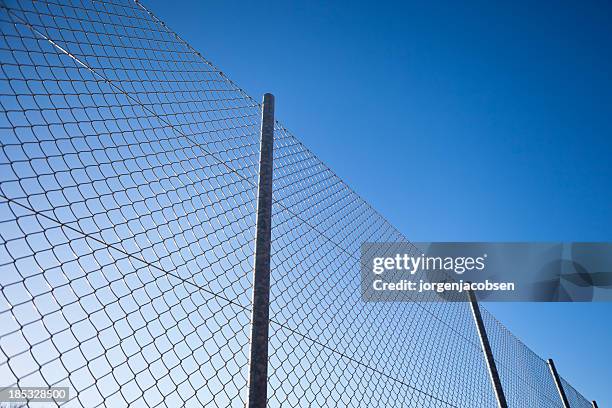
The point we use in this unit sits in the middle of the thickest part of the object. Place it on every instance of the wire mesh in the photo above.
(575, 399)
(127, 217)
(328, 348)
(126, 244)
(525, 376)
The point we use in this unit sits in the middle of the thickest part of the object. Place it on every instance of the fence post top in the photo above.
(268, 98)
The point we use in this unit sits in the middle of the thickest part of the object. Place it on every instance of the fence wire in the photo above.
(128, 175)
(575, 399)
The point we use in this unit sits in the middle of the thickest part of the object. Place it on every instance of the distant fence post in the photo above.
(555, 375)
(260, 319)
(486, 348)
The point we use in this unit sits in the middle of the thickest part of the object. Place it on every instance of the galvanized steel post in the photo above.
(258, 365)
(555, 375)
(486, 348)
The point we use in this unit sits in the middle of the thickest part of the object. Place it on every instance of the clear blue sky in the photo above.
(456, 120)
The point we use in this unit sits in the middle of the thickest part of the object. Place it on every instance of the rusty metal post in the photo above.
(486, 349)
(260, 318)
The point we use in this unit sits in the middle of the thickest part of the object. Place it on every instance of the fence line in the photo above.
(128, 176)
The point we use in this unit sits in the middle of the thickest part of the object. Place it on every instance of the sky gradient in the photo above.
(457, 121)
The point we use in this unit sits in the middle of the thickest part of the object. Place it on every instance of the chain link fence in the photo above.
(128, 175)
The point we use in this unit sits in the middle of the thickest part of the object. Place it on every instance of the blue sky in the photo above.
(456, 120)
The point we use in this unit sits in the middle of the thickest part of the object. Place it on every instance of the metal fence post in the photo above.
(260, 320)
(594, 404)
(555, 375)
(486, 348)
